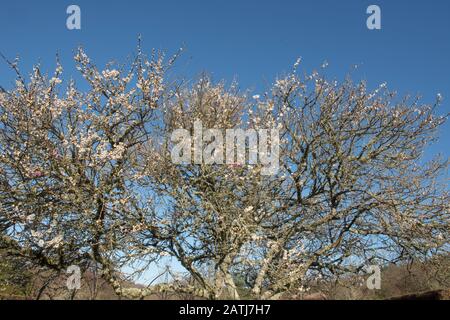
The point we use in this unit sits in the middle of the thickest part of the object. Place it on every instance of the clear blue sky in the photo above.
(248, 39)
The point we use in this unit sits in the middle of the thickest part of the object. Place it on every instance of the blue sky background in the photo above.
(247, 39)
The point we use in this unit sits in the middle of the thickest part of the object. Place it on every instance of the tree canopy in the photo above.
(86, 177)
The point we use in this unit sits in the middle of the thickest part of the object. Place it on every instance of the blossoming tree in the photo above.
(86, 177)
